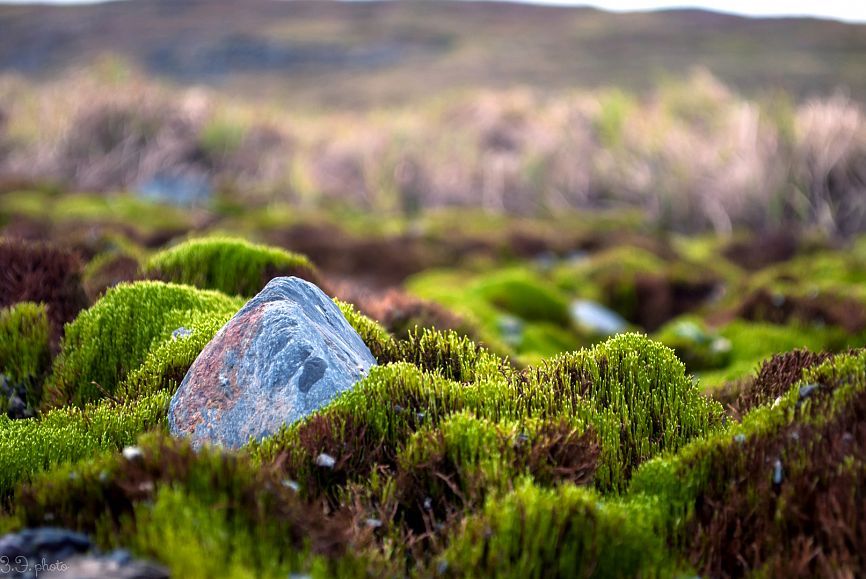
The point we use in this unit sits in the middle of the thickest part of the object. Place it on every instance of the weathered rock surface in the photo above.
(286, 353)
(54, 552)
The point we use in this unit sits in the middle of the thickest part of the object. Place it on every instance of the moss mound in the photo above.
(232, 266)
(513, 310)
(24, 341)
(631, 392)
(382, 345)
(25, 355)
(113, 338)
(637, 394)
(780, 493)
(65, 435)
(562, 532)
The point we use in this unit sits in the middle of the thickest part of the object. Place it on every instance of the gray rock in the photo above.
(597, 319)
(55, 552)
(286, 353)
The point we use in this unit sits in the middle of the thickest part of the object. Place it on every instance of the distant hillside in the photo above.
(357, 53)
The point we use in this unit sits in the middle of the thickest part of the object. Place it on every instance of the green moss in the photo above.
(635, 392)
(120, 262)
(754, 342)
(64, 435)
(232, 266)
(523, 294)
(24, 341)
(608, 277)
(465, 459)
(698, 347)
(562, 532)
(167, 363)
(515, 309)
(113, 338)
(453, 356)
(125, 210)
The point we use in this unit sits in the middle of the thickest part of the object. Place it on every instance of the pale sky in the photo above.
(849, 10)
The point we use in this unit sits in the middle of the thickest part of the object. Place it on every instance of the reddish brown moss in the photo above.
(659, 299)
(42, 273)
(775, 377)
(434, 492)
(355, 449)
(791, 504)
(114, 270)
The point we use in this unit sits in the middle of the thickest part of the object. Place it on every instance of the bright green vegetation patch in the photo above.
(753, 342)
(65, 435)
(613, 270)
(25, 357)
(563, 532)
(515, 309)
(24, 341)
(232, 266)
(113, 338)
(637, 395)
(121, 209)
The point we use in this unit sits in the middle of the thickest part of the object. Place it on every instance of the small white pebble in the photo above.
(373, 523)
(325, 461)
(132, 453)
(289, 483)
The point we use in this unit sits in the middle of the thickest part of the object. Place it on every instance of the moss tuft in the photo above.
(64, 435)
(24, 342)
(453, 356)
(25, 355)
(222, 515)
(635, 392)
(232, 266)
(113, 338)
(775, 494)
(563, 532)
(42, 273)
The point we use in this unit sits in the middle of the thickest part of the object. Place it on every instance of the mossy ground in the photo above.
(535, 450)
